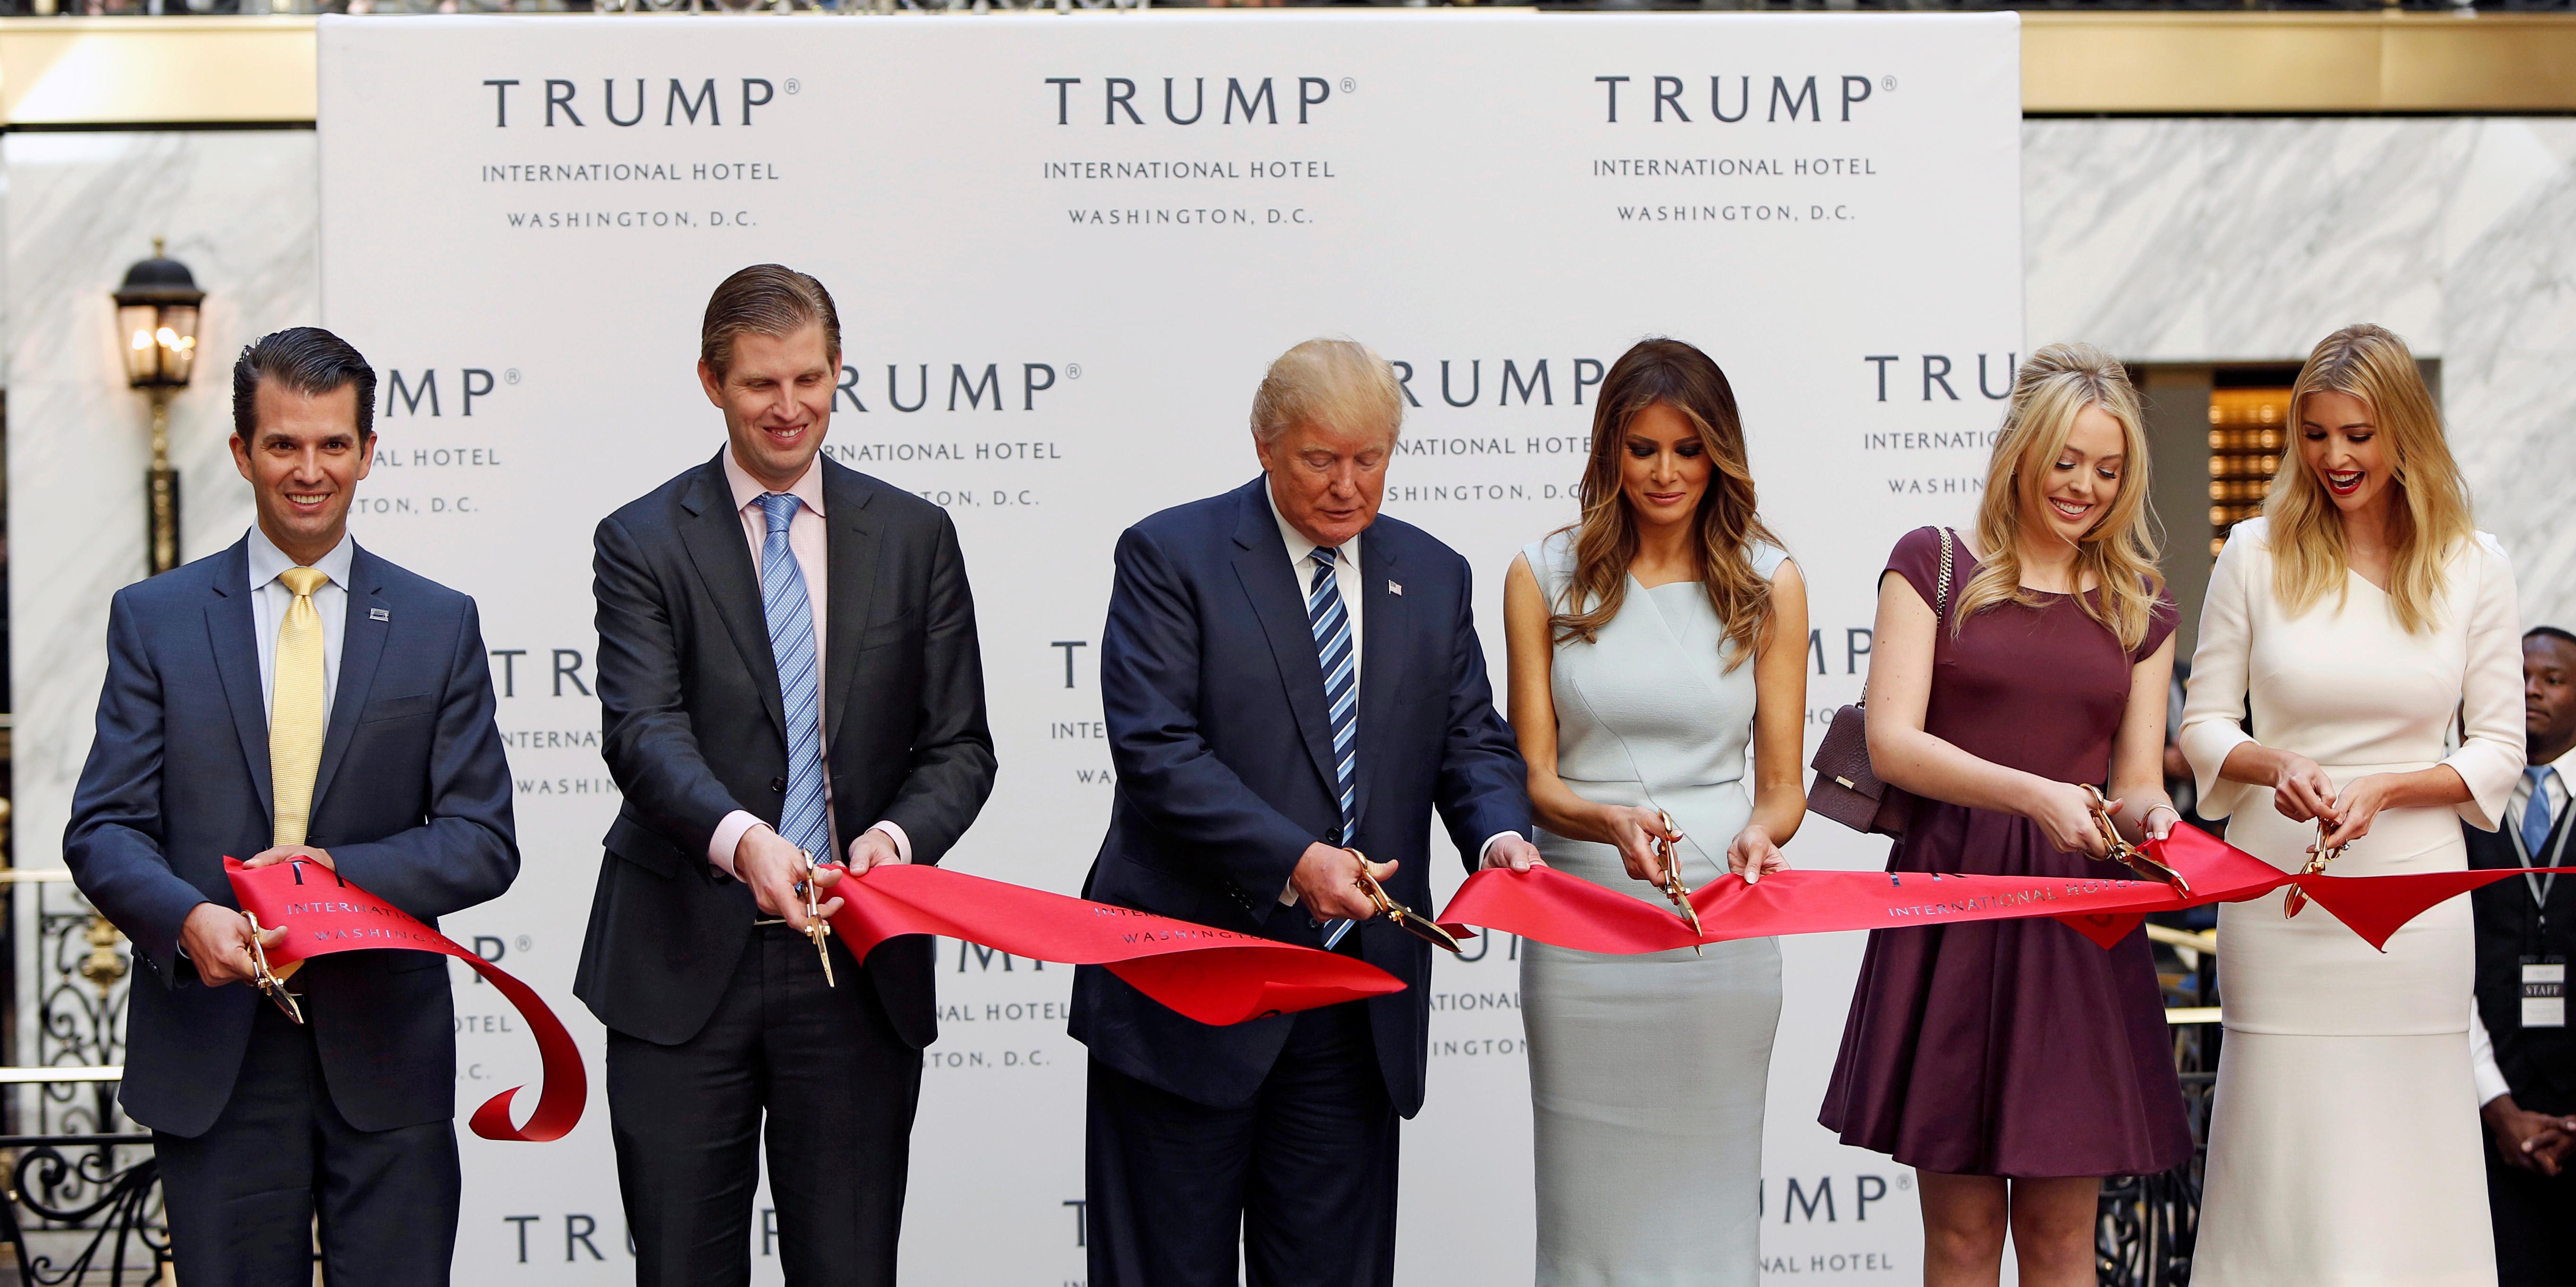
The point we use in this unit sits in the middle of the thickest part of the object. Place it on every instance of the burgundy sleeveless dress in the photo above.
(2011, 1048)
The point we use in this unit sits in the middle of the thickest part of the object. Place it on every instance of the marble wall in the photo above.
(2229, 240)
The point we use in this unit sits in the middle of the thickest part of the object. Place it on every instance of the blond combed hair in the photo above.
(2049, 391)
(2430, 520)
(1341, 383)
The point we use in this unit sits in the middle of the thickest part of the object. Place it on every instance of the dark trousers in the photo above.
(2535, 1224)
(1304, 1175)
(245, 1198)
(838, 1089)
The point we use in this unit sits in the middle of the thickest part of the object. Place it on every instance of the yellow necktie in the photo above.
(295, 708)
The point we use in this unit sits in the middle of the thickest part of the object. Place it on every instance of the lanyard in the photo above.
(2541, 885)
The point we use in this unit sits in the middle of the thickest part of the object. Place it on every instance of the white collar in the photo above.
(266, 560)
(1300, 546)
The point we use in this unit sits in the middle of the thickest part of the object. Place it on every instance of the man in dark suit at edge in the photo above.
(1287, 678)
(294, 698)
(2521, 1051)
(788, 673)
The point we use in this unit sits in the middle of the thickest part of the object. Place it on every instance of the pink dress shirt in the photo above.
(805, 541)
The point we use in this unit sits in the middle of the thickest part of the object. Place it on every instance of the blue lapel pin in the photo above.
(379, 614)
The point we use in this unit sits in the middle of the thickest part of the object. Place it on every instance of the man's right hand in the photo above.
(2534, 1142)
(217, 941)
(1327, 883)
(765, 861)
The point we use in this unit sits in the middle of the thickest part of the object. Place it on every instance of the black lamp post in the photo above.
(156, 317)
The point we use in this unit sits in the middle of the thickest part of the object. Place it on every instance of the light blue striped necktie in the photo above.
(2535, 815)
(801, 820)
(1331, 625)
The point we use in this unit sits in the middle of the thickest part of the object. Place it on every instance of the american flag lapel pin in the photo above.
(1394, 588)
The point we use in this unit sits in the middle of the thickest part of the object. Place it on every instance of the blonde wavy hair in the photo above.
(1670, 373)
(2430, 520)
(2056, 384)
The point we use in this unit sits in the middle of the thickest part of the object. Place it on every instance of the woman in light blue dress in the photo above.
(1643, 660)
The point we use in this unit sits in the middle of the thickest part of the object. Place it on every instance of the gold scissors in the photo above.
(1674, 889)
(816, 928)
(269, 980)
(2129, 855)
(2318, 857)
(1401, 916)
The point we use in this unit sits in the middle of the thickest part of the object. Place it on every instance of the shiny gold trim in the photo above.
(141, 71)
(2328, 63)
(133, 71)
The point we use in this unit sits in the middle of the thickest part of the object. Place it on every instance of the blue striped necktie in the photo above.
(1331, 624)
(2535, 815)
(801, 820)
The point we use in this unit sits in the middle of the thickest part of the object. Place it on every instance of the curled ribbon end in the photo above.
(492, 1121)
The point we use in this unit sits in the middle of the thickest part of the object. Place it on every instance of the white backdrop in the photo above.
(1060, 277)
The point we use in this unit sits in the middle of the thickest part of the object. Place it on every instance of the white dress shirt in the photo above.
(1346, 582)
(270, 600)
(805, 534)
(2482, 1060)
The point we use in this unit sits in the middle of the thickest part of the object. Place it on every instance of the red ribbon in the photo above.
(322, 914)
(1570, 912)
(1214, 976)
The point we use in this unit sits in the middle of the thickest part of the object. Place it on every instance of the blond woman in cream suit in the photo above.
(2356, 617)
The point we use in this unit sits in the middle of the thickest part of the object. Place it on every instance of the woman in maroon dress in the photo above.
(2015, 1063)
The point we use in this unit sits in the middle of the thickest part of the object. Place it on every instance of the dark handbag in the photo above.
(1845, 789)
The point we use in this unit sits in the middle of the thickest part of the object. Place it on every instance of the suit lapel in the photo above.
(1261, 563)
(1384, 626)
(850, 553)
(230, 632)
(362, 645)
(713, 535)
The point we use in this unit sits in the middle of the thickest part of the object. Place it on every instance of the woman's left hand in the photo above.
(2158, 821)
(2361, 801)
(1752, 854)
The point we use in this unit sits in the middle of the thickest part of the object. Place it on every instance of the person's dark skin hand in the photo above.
(1327, 883)
(217, 941)
(2535, 1142)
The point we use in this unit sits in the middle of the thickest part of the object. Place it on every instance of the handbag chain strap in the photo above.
(1940, 611)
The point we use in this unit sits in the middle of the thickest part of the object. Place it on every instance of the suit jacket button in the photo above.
(779, 785)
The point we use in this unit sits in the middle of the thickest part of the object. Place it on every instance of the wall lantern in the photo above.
(156, 321)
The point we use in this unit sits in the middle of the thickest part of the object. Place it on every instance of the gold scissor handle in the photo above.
(2318, 857)
(1674, 889)
(267, 978)
(816, 928)
(1399, 915)
(2126, 854)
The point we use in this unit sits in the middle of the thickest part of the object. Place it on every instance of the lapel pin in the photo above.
(379, 614)
(1394, 588)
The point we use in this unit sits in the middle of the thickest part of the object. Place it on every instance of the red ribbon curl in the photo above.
(323, 914)
(1214, 976)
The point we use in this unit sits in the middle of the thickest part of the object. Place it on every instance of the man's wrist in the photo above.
(727, 840)
(894, 834)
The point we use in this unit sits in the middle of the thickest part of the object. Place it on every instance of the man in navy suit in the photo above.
(294, 698)
(1290, 682)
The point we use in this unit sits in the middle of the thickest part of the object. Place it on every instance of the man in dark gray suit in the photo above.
(294, 697)
(788, 673)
